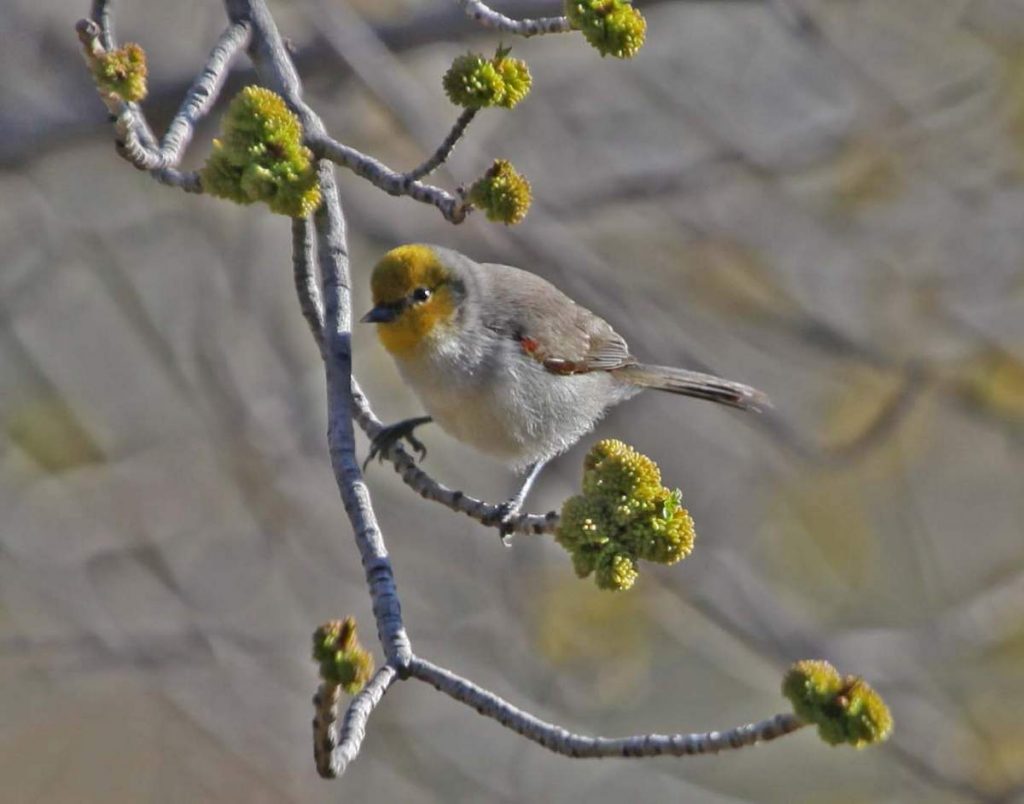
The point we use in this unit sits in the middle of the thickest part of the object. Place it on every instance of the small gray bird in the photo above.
(507, 363)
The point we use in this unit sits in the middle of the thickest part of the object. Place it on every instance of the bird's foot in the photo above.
(392, 434)
(506, 513)
(504, 517)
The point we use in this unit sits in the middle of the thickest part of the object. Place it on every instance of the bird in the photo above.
(507, 363)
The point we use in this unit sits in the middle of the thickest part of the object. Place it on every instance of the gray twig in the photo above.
(187, 180)
(135, 140)
(334, 748)
(445, 149)
(453, 208)
(203, 93)
(557, 739)
(101, 13)
(490, 18)
(306, 286)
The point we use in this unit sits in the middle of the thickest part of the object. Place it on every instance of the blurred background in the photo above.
(822, 198)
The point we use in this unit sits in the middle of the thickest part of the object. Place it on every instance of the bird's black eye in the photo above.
(421, 294)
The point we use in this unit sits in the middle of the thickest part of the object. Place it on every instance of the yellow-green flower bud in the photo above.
(615, 571)
(474, 81)
(613, 27)
(502, 193)
(122, 72)
(844, 708)
(260, 156)
(343, 661)
(624, 515)
(517, 79)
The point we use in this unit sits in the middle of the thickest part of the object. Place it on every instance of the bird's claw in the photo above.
(504, 517)
(388, 436)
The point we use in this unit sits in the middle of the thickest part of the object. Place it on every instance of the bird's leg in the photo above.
(392, 434)
(508, 510)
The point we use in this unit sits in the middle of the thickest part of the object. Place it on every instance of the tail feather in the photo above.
(695, 384)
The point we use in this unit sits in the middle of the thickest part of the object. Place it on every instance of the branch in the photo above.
(129, 122)
(445, 149)
(561, 741)
(276, 70)
(187, 180)
(203, 93)
(334, 749)
(135, 140)
(305, 280)
(390, 181)
(489, 18)
(101, 14)
(333, 259)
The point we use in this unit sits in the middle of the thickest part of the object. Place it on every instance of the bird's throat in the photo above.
(418, 326)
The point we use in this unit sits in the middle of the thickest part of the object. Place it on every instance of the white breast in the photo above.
(506, 404)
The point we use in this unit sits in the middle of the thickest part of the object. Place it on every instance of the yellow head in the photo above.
(415, 298)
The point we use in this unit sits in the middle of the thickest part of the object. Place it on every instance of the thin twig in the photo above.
(445, 149)
(133, 137)
(334, 748)
(189, 181)
(135, 140)
(306, 286)
(490, 18)
(101, 14)
(203, 93)
(561, 741)
(392, 182)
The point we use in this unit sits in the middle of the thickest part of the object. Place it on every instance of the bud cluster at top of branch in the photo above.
(474, 81)
(845, 708)
(613, 27)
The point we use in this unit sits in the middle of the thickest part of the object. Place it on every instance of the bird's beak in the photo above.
(381, 314)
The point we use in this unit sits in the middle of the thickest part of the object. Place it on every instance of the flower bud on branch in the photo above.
(845, 708)
(260, 156)
(624, 515)
(502, 193)
(343, 661)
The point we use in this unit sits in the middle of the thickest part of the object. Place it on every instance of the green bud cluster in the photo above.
(122, 72)
(613, 27)
(343, 661)
(260, 156)
(474, 81)
(502, 193)
(844, 708)
(623, 515)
